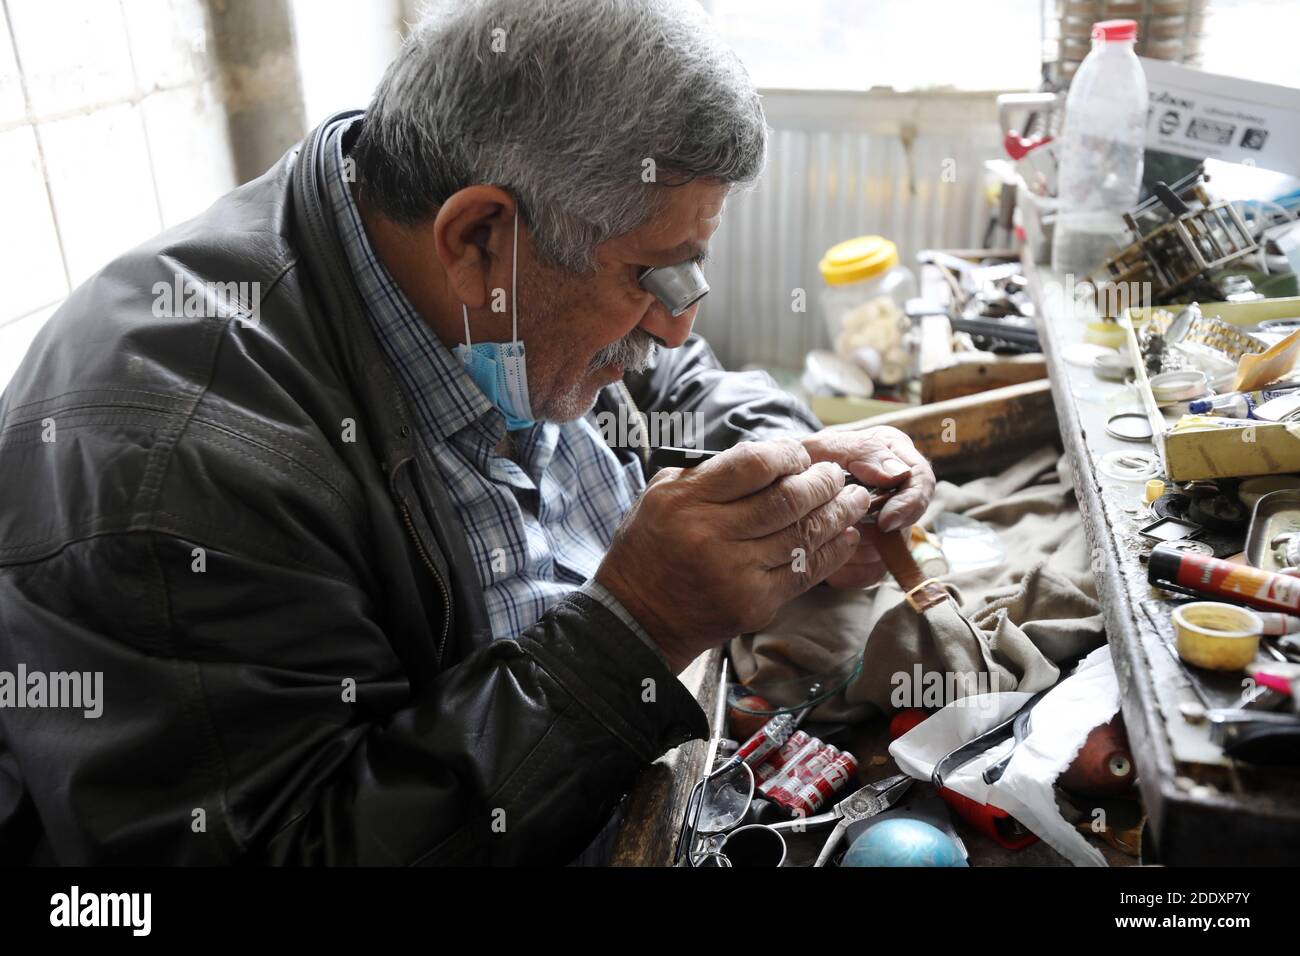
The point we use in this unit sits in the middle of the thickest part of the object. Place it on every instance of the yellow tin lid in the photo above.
(854, 260)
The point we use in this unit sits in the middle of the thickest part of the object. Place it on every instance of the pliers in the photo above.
(1017, 726)
(863, 803)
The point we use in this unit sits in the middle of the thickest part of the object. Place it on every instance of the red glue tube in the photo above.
(1183, 571)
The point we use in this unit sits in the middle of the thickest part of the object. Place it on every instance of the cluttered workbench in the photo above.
(1119, 540)
(654, 813)
(997, 427)
(1203, 807)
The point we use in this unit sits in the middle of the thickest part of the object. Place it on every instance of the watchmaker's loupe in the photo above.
(678, 286)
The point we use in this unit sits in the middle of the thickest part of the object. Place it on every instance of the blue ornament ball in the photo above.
(904, 842)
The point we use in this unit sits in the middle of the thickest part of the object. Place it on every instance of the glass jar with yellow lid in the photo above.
(862, 299)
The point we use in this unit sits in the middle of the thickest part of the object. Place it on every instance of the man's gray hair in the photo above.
(562, 103)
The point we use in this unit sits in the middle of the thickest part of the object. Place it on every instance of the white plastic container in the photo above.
(1101, 151)
(862, 301)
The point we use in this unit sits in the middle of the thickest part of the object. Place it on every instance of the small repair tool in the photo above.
(668, 456)
(863, 803)
(996, 824)
(1019, 730)
(1255, 736)
(984, 742)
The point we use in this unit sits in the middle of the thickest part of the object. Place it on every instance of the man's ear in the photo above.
(472, 238)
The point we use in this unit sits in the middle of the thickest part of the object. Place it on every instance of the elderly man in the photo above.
(313, 483)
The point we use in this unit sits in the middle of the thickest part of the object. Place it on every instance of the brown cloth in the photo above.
(1016, 619)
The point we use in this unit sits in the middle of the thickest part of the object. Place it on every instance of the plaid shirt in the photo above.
(537, 527)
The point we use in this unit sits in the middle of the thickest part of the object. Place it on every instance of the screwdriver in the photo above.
(669, 456)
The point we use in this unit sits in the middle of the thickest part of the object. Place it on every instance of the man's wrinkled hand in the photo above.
(885, 457)
(715, 551)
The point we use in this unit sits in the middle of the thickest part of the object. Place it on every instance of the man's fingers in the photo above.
(749, 467)
(876, 461)
(867, 552)
(795, 577)
(664, 474)
(815, 529)
(855, 574)
(909, 503)
(885, 457)
(787, 500)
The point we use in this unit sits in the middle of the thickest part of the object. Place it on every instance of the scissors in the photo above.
(863, 803)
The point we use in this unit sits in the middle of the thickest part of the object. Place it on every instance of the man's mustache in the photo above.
(633, 351)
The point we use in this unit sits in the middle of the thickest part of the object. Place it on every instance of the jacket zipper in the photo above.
(442, 587)
(323, 240)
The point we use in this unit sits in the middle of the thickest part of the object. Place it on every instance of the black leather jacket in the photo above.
(292, 639)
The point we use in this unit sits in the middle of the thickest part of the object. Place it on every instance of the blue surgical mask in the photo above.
(498, 368)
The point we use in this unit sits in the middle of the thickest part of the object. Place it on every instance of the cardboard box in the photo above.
(1207, 116)
(1270, 448)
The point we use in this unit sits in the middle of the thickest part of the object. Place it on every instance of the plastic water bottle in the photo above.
(1101, 155)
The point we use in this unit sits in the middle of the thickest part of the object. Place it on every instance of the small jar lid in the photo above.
(1129, 426)
(864, 257)
(1179, 386)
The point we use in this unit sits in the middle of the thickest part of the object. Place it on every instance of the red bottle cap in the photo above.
(1115, 30)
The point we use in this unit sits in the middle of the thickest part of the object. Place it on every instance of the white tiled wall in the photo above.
(342, 55)
(12, 107)
(169, 42)
(111, 129)
(98, 171)
(188, 149)
(72, 53)
(15, 336)
(31, 267)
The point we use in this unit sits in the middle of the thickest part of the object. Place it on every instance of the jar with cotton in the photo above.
(862, 301)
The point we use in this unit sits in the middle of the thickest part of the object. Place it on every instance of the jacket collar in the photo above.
(322, 255)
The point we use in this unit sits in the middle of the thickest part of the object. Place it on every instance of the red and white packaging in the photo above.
(778, 761)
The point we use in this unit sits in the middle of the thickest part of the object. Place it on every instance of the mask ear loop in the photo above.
(514, 274)
(514, 309)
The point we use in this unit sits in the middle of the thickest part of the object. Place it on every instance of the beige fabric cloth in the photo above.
(1017, 619)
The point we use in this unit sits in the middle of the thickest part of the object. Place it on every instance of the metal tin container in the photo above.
(1276, 513)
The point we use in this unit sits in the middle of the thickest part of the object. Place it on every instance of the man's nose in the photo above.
(672, 330)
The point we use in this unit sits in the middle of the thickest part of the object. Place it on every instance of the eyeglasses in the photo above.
(722, 797)
(717, 804)
(678, 287)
